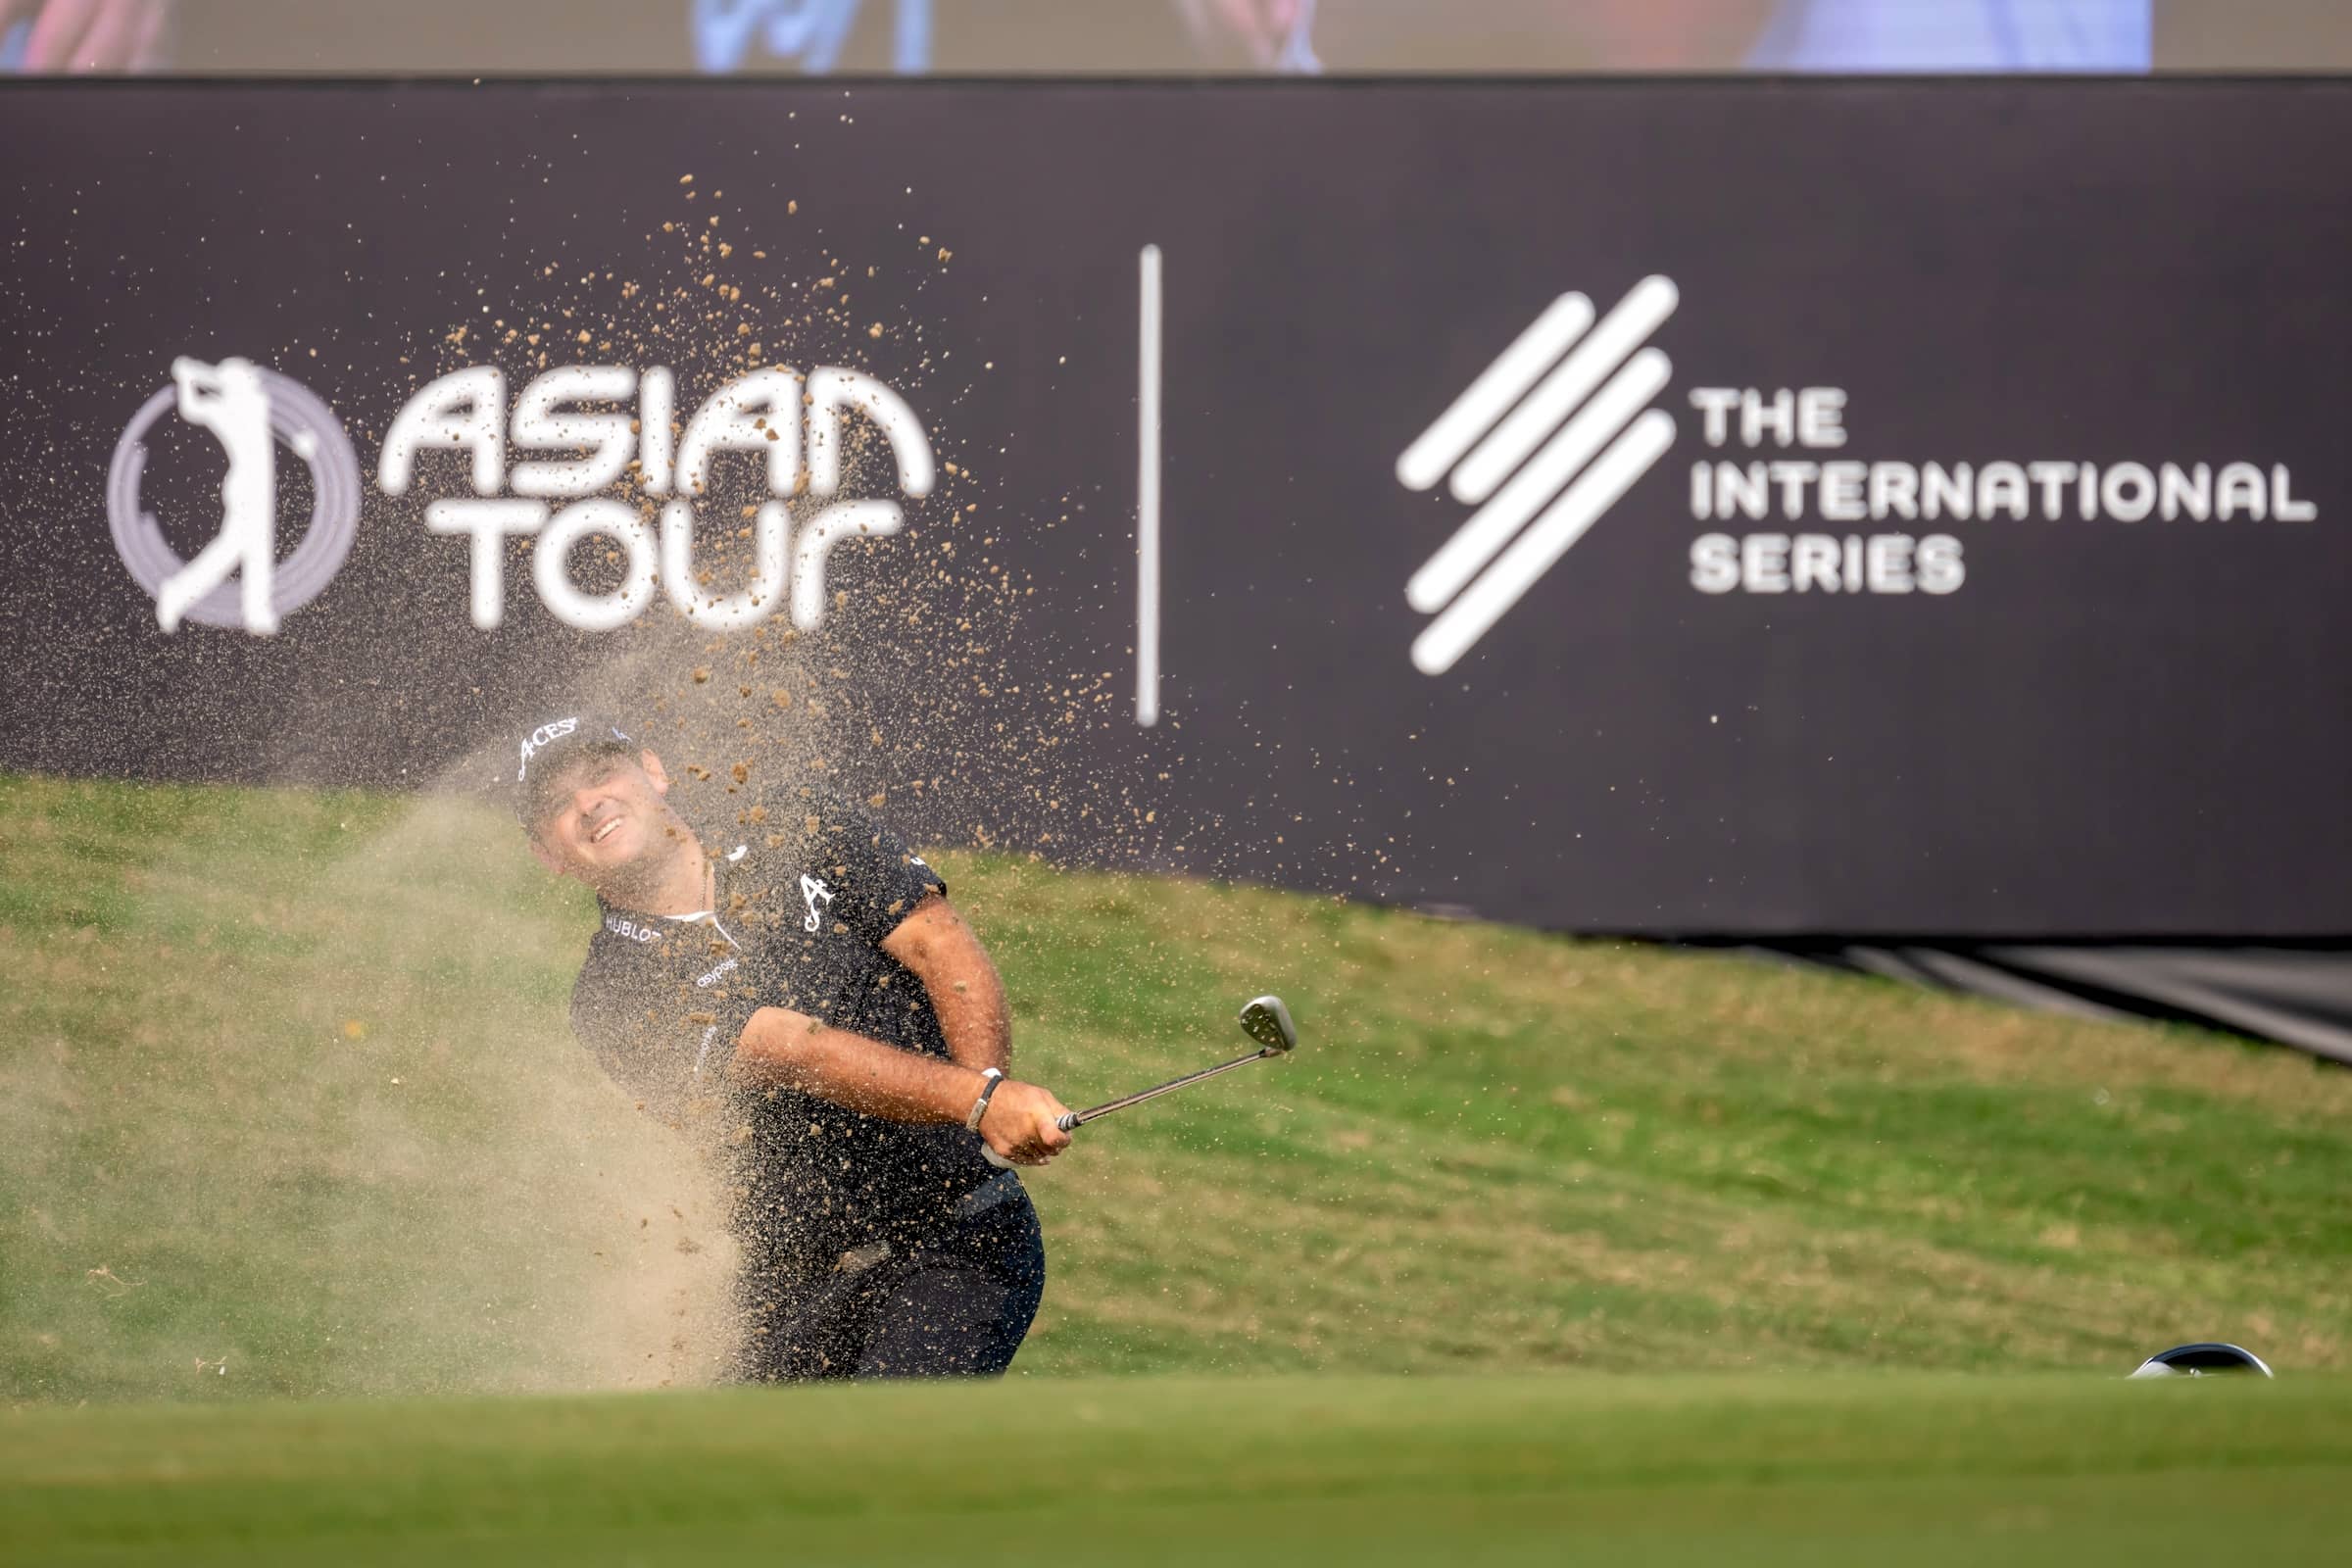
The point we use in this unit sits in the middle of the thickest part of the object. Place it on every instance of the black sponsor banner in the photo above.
(1743, 508)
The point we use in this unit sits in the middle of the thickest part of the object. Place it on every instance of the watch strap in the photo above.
(990, 1076)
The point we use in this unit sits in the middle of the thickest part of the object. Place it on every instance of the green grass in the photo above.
(287, 1109)
(1843, 1469)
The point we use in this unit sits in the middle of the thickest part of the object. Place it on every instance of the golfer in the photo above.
(798, 986)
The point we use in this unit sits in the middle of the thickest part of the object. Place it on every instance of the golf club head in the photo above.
(1268, 1022)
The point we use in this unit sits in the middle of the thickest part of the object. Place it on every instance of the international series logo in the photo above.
(1558, 440)
(1560, 427)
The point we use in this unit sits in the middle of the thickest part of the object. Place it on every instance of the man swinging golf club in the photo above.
(797, 984)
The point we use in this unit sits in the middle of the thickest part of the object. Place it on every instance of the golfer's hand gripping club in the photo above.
(1022, 1126)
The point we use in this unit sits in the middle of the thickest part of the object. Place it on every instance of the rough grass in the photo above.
(286, 1089)
(1843, 1469)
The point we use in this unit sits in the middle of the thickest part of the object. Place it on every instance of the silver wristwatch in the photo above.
(992, 1076)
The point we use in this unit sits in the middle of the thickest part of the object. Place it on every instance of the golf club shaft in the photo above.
(1078, 1118)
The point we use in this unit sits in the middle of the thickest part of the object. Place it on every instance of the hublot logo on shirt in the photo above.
(621, 928)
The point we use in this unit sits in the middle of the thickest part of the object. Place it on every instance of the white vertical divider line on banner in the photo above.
(1147, 492)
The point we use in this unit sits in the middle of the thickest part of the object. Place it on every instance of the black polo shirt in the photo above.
(807, 893)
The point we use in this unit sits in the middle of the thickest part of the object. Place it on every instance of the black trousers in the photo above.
(952, 1300)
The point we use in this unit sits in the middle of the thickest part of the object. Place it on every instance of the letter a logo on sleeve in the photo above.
(811, 890)
(249, 411)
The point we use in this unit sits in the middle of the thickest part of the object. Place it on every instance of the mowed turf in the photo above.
(288, 1109)
(1843, 1469)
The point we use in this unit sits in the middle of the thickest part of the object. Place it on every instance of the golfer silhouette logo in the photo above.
(249, 411)
(227, 399)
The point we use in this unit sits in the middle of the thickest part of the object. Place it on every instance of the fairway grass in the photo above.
(1860, 1469)
(288, 1110)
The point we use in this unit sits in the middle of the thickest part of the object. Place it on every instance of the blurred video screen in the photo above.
(966, 37)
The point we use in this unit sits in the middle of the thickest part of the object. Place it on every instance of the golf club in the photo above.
(1265, 1020)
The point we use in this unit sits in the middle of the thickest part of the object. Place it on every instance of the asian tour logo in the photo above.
(249, 411)
(579, 422)
(794, 428)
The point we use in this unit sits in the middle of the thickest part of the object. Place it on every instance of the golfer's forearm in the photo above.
(961, 981)
(788, 1050)
(974, 1016)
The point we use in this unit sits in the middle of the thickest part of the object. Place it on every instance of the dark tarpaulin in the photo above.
(2294, 995)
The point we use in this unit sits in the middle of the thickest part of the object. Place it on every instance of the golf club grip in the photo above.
(1068, 1121)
